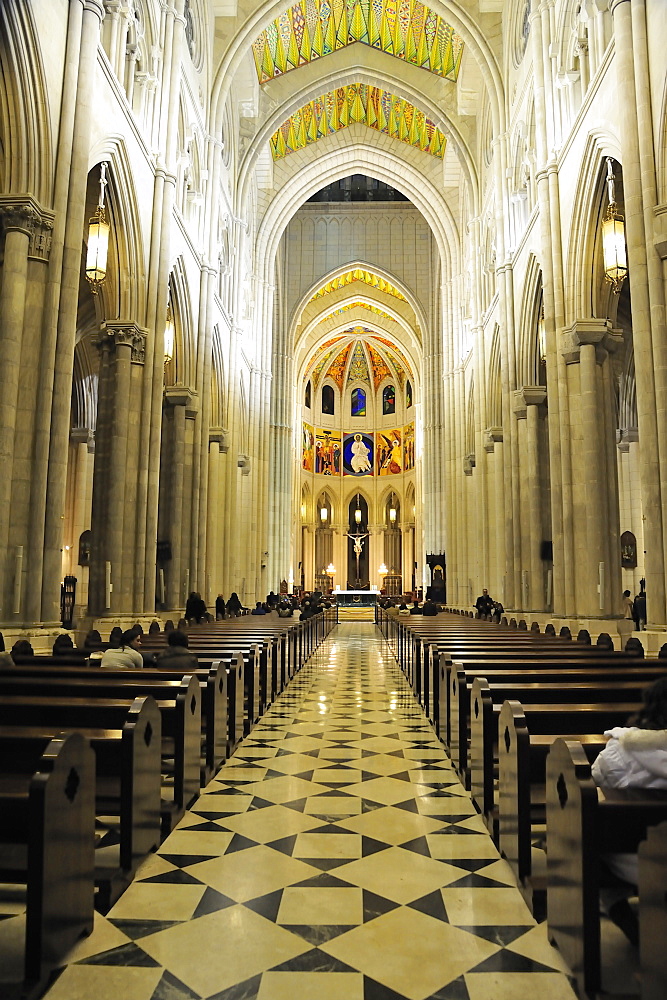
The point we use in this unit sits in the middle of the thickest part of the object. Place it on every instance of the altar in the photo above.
(356, 605)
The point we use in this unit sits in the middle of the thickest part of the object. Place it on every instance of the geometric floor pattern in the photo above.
(335, 857)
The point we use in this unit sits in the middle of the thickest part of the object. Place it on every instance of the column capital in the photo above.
(598, 332)
(124, 333)
(491, 436)
(469, 463)
(220, 436)
(81, 435)
(528, 395)
(182, 395)
(243, 463)
(626, 437)
(24, 214)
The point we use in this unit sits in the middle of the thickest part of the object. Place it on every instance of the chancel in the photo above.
(360, 305)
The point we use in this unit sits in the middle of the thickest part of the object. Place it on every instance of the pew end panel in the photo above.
(572, 861)
(514, 820)
(653, 913)
(54, 818)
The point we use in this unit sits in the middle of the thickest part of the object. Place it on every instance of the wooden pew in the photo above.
(213, 682)
(486, 700)
(583, 822)
(127, 785)
(653, 913)
(75, 708)
(47, 809)
(526, 734)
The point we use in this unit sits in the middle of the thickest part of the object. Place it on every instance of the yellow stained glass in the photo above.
(406, 29)
(358, 103)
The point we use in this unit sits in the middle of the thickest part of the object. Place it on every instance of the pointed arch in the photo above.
(528, 349)
(494, 392)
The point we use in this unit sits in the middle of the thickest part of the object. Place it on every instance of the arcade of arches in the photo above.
(356, 279)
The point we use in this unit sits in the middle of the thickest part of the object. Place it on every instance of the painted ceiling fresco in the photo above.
(358, 274)
(360, 305)
(350, 357)
(358, 103)
(311, 29)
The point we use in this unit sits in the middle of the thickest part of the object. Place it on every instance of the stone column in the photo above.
(83, 440)
(178, 399)
(375, 543)
(308, 556)
(122, 338)
(340, 555)
(634, 112)
(531, 398)
(493, 446)
(408, 553)
(93, 13)
(217, 449)
(587, 342)
(16, 222)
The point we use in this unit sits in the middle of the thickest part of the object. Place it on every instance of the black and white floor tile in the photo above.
(335, 856)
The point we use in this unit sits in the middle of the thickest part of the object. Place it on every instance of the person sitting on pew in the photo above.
(62, 645)
(403, 609)
(285, 609)
(234, 606)
(22, 647)
(259, 609)
(219, 608)
(415, 609)
(127, 656)
(177, 655)
(6, 662)
(430, 609)
(634, 757)
(484, 604)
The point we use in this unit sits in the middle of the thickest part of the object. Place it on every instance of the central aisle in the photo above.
(335, 857)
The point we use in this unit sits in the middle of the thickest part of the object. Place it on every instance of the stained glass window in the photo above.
(408, 394)
(358, 408)
(308, 394)
(388, 400)
(328, 401)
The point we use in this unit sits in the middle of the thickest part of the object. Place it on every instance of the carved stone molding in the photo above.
(119, 333)
(598, 332)
(491, 436)
(626, 437)
(182, 395)
(468, 464)
(220, 435)
(243, 462)
(26, 215)
(528, 395)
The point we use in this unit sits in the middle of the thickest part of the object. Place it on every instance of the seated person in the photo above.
(634, 757)
(126, 656)
(403, 609)
(259, 609)
(22, 647)
(430, 609)
(415, 609)
(285, 610)
(62, 645)
(177, 655)
(306, 611)
(234, 606)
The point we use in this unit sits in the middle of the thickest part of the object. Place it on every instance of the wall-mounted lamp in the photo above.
(392, 515)
(383, 570)
(303, 511)
(357, 516)
(324, 514)
(614, 252)
(98, 239)
(169, 338)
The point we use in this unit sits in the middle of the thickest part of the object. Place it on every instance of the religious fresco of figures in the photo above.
(357, 454)
(388, 452)
(327, 452)
(409, 447)
(308, 448)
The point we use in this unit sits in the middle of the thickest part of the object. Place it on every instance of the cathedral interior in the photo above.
(251, 251)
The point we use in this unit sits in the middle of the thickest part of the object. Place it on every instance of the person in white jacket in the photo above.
(634, 757)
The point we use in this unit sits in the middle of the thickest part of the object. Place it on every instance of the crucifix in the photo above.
(358, 542)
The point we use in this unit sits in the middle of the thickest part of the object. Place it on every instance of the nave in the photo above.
(336, 855)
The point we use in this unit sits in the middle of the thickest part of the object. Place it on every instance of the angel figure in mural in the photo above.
(360, 455)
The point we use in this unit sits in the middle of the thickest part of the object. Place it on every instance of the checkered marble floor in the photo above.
(335, 856)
